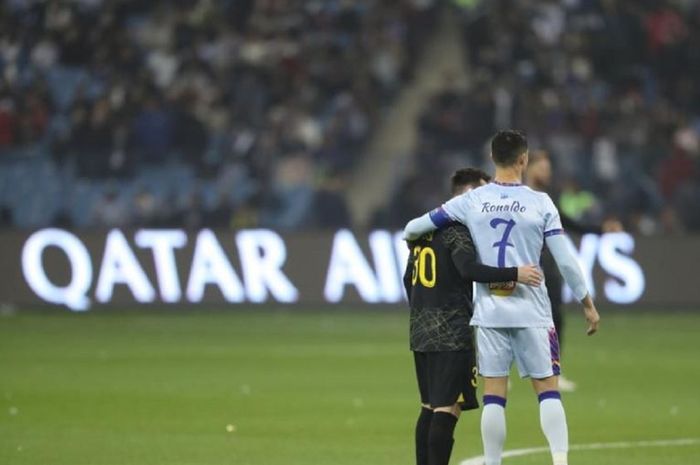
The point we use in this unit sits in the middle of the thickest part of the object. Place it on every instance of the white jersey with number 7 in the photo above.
(509, 223)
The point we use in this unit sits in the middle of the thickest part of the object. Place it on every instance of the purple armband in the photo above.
(553, 232)
(439, 217)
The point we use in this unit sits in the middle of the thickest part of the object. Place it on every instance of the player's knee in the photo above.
(453, 410)
(497, 386)
(541, 385)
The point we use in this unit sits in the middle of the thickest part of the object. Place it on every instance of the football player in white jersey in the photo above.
(510, 224)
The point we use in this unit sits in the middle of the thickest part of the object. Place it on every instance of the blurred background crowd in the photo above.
(606, 87)
(194, 112)
(245, 113)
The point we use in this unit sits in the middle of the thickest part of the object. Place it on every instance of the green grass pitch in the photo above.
(267, 387)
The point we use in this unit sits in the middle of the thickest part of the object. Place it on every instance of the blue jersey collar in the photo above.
(508, 184)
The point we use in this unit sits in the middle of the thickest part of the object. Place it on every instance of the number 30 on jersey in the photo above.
(424, 259)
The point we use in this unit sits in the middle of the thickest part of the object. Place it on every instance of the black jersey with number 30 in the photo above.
(438, 281)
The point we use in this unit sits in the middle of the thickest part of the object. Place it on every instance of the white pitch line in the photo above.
(479, 460)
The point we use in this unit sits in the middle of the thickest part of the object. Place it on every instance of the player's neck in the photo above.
(509, 175)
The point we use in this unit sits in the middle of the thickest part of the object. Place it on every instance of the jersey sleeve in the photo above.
(552, 220)
(453, 210)
(562, 251)
(437, 218)
(461, 245)
(419, 226)
(408, 273)
(456, 209)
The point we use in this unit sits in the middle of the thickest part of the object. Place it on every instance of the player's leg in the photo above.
(441, 437)
(453, 389)
(557, 312)
(554, 285)
(537, 356)
(493, 419)
(422, 432)
(495, 358)
(553, 418)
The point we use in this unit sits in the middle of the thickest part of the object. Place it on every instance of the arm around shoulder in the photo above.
(424, 224)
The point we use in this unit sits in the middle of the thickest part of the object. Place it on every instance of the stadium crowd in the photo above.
(607, 87)
(254, 112)
(164, 112)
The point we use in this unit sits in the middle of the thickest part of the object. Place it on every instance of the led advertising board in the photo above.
(128, 268)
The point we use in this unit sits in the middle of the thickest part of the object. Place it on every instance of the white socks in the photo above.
(553, 422)
(493, 428)
(552, 419)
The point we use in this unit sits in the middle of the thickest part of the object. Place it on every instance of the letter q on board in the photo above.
(73, 294)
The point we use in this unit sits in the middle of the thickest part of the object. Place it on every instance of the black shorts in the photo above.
(446, 378)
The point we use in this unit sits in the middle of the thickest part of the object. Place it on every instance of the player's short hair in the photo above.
(467, 177)
(507, 146)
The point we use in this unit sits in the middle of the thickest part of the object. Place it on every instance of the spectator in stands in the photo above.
(290, 198)
(8, 120)
(110, 211)
(330, 209)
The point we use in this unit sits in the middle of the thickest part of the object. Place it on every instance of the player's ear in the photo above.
(524, 158)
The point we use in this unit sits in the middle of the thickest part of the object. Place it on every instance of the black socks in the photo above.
(440, 439)
(434, 440)
(422, 435)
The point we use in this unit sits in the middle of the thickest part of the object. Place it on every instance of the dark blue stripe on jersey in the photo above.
(549, 395)
(439, 217)
(488, 399)
(507, 184)
(553, 232)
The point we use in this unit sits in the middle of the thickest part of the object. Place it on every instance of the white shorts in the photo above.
(535, 351)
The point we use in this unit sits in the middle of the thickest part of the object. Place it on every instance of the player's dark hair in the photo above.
(467, 177)
(507, 146)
